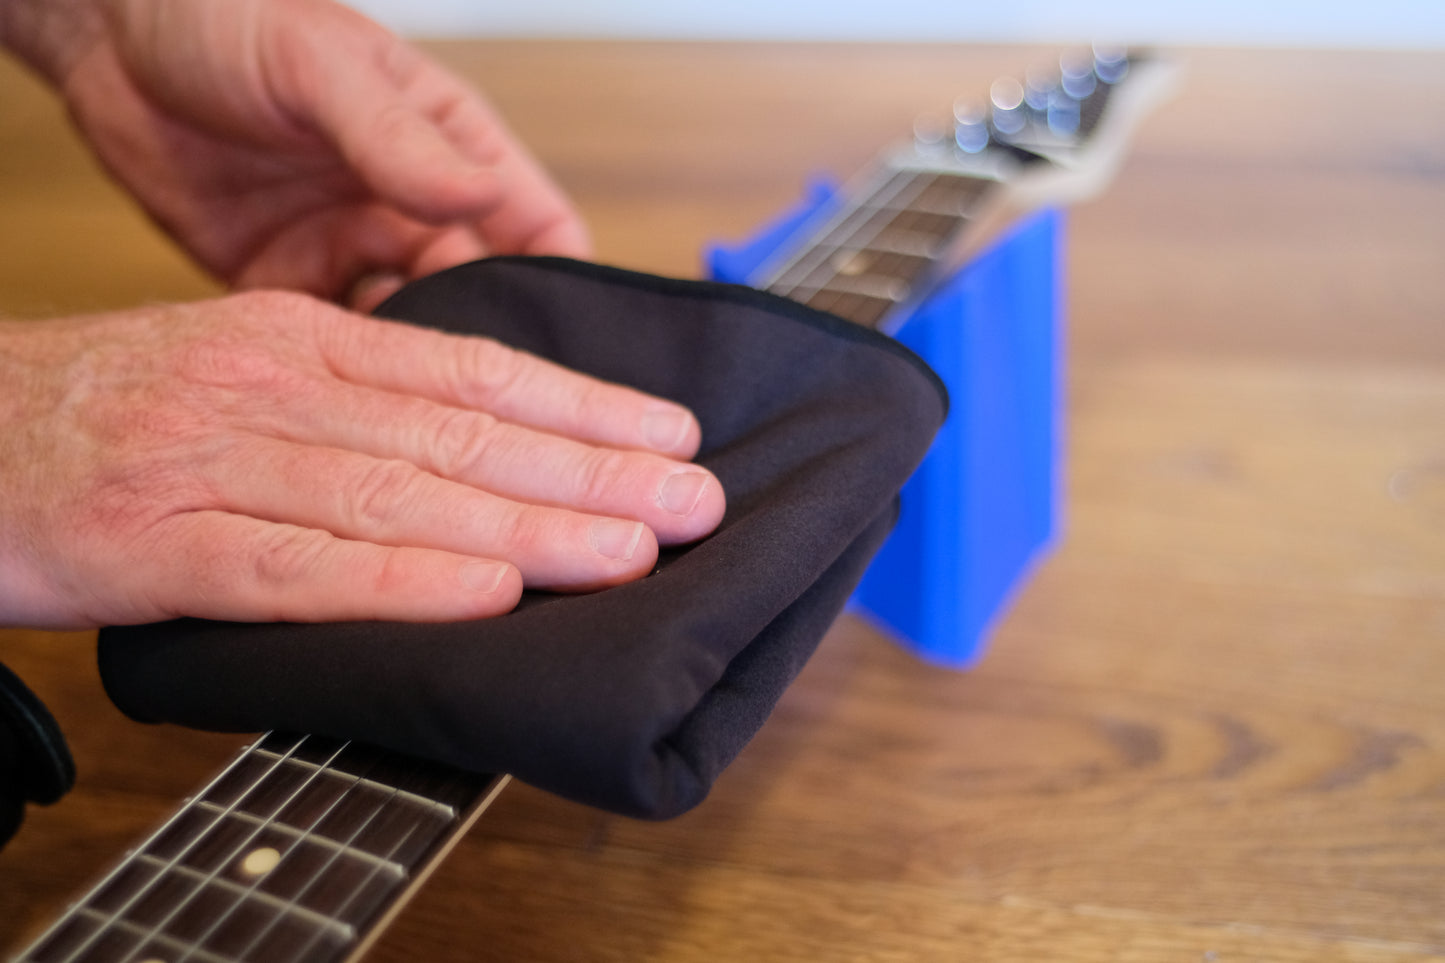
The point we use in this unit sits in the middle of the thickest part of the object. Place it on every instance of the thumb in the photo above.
(403, 156)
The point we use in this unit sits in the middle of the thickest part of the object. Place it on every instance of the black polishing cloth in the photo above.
(635, 698)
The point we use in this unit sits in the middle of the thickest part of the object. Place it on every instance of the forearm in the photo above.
(51, 35)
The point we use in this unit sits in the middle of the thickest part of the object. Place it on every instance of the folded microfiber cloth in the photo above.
(635, 698)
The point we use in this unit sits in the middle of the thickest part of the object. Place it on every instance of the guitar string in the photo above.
(826, 248)
(810, 257)
(935, 242)
(87, 943)
(415, 767)
(306, 834)
(966, 192)
(158, 930)
(85, 902)
(357, 890)
(860, 239)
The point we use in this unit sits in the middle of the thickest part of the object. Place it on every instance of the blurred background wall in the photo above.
(1329, 23)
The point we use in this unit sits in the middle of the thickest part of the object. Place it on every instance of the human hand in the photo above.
(296, 144)
(267, 456)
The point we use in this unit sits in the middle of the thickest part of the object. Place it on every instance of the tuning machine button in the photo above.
(1009, 112)
(1111, 62)
(1077, 76)
(970, 127)
(932, 134)
(1039, 85)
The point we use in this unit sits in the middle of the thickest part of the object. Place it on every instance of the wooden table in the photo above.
(1210, 729)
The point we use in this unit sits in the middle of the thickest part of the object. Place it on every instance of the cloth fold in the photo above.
(633, 699)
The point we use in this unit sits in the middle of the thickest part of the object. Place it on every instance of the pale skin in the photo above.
(272, 455)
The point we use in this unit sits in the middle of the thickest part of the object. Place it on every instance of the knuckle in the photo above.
(400, 62)
(461, 442)
(489, 369)
(589, 397)
(602, 477)
(451, 108)
(525, 530)
(393, 122)
(289, 556)
(392, 576)
(383, 494)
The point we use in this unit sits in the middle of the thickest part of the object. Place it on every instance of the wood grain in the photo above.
(1209, 729)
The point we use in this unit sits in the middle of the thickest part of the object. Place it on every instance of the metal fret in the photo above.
(858, 308)
(294, 854)
(447, 812)
(268, 939)
(301, 835)
(144, 863)
(123, 939)
(803, 260)
(870, 258)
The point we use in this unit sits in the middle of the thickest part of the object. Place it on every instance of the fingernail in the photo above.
(664, 428)
(615, 538)
(483, 576)
(681, 492)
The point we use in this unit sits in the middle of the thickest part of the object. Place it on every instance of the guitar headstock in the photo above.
(1055, 136)
(874, 252)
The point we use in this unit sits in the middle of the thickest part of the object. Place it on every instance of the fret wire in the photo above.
(200, 886)
(300, 955)
(865, 284)
(908, 243)
(812, 253)
(842, 234)
(802, 291)
(305, 835)
(286, 906)
(317, 772)
(450, 811)
(91, 940)
(860, 235)
(863, 242)
(109, 923)
(799, 260)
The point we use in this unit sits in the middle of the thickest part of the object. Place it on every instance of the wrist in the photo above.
(51, 35)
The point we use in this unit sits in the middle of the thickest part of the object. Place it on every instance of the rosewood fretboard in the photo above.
(296, 853)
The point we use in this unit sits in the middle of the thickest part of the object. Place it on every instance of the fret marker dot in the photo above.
(259, 862)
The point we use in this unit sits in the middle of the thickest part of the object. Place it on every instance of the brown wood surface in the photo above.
(1212, 727)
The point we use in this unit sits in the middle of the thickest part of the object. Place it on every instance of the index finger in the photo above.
(484, 375)
(428, 142)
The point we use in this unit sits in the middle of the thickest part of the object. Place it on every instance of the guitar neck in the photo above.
(878, 255)
(930, 205)
(299, 852)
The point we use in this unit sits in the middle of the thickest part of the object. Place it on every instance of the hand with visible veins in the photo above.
(294, 143)
(268, 455)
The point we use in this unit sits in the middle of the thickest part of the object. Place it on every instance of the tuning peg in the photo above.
(1008, 109)
(1064, 113)
(970, 127)
(931, 133)
(1039, 83)
(1077, 74)
(1111, 62)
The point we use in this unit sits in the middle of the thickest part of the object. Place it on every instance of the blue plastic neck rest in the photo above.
(983, 508)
